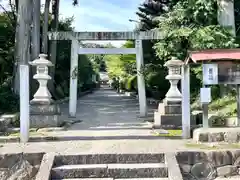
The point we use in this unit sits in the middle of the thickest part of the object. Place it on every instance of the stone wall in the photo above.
(209, 165)
(19, 166)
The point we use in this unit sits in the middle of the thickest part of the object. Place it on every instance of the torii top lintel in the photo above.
(118, 35)
(216, 55)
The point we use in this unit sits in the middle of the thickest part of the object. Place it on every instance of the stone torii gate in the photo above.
(106, 36)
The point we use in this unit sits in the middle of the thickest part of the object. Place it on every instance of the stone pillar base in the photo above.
(169, 114)
(43, 115)
(174, 120)
(169, 109)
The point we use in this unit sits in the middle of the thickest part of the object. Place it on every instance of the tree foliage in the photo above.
(188, 25)
(186, 32)
(8, 100)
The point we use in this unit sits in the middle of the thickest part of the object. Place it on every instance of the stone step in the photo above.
(229, 178)
(114, 179)
(143, 170)
(109, 158)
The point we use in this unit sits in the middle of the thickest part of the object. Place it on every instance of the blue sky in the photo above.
(101, 15)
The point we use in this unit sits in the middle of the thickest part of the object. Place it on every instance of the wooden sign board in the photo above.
(210, 74)
(222, 73)
(229, 73)
(98, 36)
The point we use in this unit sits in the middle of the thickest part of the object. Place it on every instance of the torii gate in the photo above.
(97, 36)
(138, 36)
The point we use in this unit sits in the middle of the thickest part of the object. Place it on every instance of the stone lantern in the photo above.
(169, 111)
(174, 75)
(43, 111)
(42, 95)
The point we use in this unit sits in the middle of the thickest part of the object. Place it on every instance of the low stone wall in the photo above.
(209, 164)
(194, 165)
(19, 166)
(7, 121)
(229, 135)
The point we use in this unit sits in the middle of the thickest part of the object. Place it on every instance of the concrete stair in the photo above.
(111, 167)
(117, 179)
(110, 170)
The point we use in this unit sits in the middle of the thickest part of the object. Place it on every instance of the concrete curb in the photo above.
(47, 163)
(55, 138)
(174, 172)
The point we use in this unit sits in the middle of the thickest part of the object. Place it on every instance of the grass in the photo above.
(221, 103)
(171, 133)
(218, 104)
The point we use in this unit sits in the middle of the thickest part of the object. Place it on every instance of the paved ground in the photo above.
(109, 124)
(106, 113)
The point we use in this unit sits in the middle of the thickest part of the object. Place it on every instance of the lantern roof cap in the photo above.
(42, 60)
(173, 62)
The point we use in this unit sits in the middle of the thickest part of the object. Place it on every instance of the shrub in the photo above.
(131, 84)
(9, 102)
(157, 85)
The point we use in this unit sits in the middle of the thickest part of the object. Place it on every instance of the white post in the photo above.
(140, 79)
(73, 79)
(24, 103)
(185, 85)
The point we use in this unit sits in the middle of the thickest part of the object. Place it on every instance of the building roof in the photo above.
(216, 55)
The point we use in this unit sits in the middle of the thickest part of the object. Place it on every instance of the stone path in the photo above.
(106, 113)
(109, 124)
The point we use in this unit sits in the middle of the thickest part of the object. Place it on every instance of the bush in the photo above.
(114, 84)
(9, 102)
(220, 103)
(157, 85)
(122, 85)
(87, 86)
(131, 84)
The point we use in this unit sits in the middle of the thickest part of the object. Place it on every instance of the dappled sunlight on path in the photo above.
(107, 113)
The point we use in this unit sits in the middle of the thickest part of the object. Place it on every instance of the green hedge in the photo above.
(131, 84)
(156, 84)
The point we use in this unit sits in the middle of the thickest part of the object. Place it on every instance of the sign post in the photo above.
(210, 77)
(205, 97)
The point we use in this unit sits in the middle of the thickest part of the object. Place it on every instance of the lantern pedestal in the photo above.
(44, 115)
(168, 115)
(43, 111)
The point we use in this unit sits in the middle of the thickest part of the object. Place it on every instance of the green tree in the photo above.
(191, 26)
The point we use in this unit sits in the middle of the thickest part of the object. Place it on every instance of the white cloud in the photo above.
(101, 15)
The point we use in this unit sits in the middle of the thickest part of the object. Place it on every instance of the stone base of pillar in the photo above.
(170, 121)
(169, 114)
(44, 115)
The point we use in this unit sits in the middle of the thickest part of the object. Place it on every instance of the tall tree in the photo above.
(53, 44)
(237, 16)
(24, 21)
(147, 12)
(35, 41)
(45, 27)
